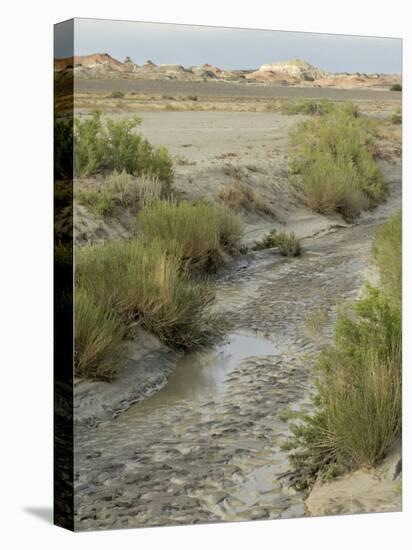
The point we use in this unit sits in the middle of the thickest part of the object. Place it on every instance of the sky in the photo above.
(229, 48)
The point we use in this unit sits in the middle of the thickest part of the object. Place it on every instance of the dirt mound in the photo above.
(88, 61)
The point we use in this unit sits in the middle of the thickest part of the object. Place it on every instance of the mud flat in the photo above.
(230, 90)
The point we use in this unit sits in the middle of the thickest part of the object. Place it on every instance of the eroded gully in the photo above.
(206, 448)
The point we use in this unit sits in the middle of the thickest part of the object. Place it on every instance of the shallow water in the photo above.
(202, 374)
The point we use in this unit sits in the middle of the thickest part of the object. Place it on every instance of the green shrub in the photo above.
(396, 88)
(117, 94)
(334, 159)
(358, 399)
(98, 332)
(307, 107)
(100, 202)
(396, 118)
(113, 146)
(192, 97)
(89, 145)
(318, 107)
(357, 406)
(287, 243)
(145, 284)
(201, 230)
(387, 255)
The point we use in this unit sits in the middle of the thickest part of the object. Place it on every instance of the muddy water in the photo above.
(206, 448)
(202, 374)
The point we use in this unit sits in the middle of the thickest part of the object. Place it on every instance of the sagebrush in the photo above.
(357, 404)
(334, 163)
(114, 145)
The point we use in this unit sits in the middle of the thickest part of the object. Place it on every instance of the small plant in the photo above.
(307, 107)
(229, 229)
(117, 94)
(192, 97)
(396, 118)
(241, 197)
(396, 88)
(99, 202)
(120, 189)
(287, 243)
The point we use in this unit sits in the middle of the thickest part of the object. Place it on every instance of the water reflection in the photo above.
(201, 374)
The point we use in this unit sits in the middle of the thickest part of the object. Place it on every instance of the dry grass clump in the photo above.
(201, 230)
(334, 161)
(386, 253)
(98, 332)
(241, 197)
(358, 401)
(120, 189)
(288, 244)
(142, 284)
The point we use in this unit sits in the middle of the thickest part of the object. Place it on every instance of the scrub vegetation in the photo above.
(123, 284)
(333, 162)
(101, 147)
(147, 280)
(358, 399)
(288, 244)
(123, 190)
(202, 231)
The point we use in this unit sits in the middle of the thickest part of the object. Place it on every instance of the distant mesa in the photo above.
(295, 72)
(296, 68)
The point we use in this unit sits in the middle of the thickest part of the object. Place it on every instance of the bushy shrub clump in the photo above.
(100, 147)
(358, 399)
(119, 284)
(334, 160)
(202, 231)
(396, 88)
(287, 243)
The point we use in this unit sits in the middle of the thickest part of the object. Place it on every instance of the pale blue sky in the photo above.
(232, 48)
